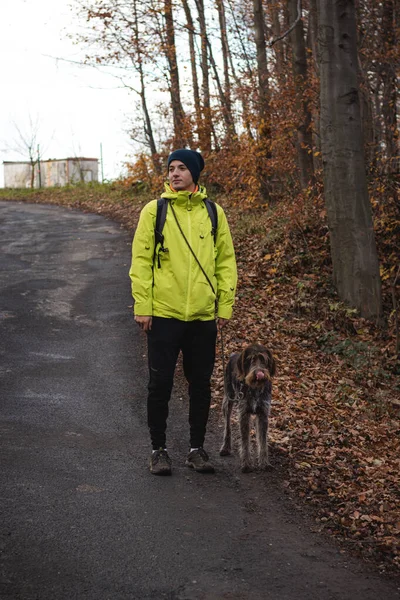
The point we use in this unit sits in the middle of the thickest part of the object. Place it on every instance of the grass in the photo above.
(81, 192)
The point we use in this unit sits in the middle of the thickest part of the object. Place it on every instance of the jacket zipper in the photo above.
(190, 263)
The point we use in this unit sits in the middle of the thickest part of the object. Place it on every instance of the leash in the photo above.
(223, 353)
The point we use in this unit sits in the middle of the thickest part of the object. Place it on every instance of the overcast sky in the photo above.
(77, 107)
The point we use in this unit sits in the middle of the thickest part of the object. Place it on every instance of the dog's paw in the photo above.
(224, 451)
(247, 469)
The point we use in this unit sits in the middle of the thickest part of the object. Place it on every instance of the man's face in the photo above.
(180, 177)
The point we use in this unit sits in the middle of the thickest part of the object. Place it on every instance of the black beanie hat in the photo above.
(192, 159)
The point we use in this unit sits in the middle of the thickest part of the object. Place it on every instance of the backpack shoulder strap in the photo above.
(212, 213)
(161, 215)
(162, 206)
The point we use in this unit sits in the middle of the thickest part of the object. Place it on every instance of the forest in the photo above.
(287, 100)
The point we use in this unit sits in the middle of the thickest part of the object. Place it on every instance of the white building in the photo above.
(49, 173)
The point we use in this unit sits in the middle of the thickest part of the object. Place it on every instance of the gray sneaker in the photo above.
(199, 461)
(160, 462)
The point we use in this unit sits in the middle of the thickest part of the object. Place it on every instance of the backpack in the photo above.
(162, 207)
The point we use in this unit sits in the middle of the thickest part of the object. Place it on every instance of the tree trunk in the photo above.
(192, 50)
(264, 129)
(225, 60)
(224, 47)
(242, 90)
(304, 135)
(32, 175)
(176, 104)
(389, 78)
(312, 45)
(205, 138)
(278, 47)
(367, 118)
(313, 33)
(286, 25)
(262, 65)
(239, 36)
(226, 112)
(353, 249)
(377, 104)
(148, 129)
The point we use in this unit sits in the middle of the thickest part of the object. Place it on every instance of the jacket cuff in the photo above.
(143, 309)
(224, 312)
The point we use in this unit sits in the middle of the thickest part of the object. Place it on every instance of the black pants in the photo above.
(197, 341)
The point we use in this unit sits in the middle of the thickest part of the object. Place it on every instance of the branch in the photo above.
(81, 63)
(272, 42)
(101, 68)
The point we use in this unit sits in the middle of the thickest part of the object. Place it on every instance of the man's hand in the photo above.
(144, 322)
(221, 323)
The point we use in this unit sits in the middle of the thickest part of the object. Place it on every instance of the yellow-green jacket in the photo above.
(177, 288)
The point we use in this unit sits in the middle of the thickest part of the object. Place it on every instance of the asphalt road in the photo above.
(81, 516)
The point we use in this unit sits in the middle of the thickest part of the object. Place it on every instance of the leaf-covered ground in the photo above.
(335, 421)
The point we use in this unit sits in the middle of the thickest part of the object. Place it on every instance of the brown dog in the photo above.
(248, 384)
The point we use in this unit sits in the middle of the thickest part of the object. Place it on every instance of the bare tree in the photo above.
(170, 53)
(390, 86)
(264, 129)
(226, 94)
(115, 35)
(193, 65)
(26, 143)
(244, 85)
(138, 61)
(205, 137)
(299, 60)
(274, 9)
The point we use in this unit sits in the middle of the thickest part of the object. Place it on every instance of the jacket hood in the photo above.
(184, 197)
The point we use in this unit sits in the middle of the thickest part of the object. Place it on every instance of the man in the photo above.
(175, 301)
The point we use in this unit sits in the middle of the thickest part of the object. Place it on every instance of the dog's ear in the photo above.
(271, 363)
(240, 365)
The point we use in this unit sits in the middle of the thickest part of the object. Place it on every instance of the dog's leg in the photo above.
(262, 440)
(244, 447)
(227, 443)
